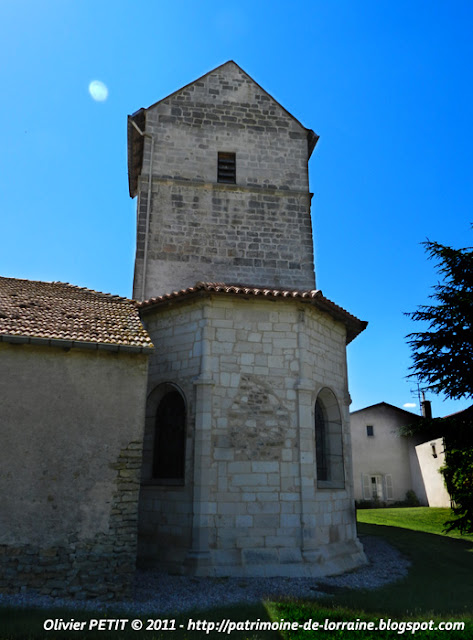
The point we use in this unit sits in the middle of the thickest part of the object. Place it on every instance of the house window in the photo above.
(226, 168)
(377, 487)
(170, 438)
(369, 430)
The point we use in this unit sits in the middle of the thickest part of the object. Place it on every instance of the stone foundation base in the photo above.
(327, 560)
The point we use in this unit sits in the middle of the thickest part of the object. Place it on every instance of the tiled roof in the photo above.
(53, 312)
(314, 297)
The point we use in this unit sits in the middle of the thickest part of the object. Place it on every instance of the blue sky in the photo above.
(387, 86)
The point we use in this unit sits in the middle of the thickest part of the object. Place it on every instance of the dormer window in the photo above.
(226, 168)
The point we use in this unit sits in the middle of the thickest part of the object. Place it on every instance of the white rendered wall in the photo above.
(437, 493)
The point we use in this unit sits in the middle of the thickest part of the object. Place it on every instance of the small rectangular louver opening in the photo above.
(226, 171)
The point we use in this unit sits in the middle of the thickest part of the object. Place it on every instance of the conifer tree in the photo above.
(442, 358)
(443, 353)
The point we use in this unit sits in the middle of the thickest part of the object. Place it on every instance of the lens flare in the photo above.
(98, 90)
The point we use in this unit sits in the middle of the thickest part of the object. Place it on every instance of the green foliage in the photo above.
(411, 499)
(443, 354)
(458, 468)
(457, 432)
(443, 357)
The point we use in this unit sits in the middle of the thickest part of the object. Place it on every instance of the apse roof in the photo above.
(313, 297)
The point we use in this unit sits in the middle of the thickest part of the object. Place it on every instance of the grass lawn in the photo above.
(440, 579)
(439, 586)
(426, 519)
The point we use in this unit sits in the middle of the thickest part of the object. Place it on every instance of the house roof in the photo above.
(463, 413)
(313, 297)
(135, 139)
(60, 314)
(414, 416)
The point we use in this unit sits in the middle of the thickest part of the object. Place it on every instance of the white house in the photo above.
(387, 464)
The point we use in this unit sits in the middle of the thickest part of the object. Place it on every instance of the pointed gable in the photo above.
(236, 86)
(229, 100)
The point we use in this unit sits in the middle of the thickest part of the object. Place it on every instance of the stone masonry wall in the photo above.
(257, 231)
(70, 464)
(263, 364)
(327, 352)
(101, 566)
(261, 462)
(165, 521)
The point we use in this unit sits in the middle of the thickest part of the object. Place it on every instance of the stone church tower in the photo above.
(220, 171)
(247, 453)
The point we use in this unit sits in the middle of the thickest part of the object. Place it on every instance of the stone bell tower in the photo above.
(246, 454)
(221, 174)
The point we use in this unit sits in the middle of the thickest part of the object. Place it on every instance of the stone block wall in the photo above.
(165, 521)
(225, 108)
(257, 231)
(72, 431)
(257, 508)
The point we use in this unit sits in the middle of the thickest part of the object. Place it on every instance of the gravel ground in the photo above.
(159, 593)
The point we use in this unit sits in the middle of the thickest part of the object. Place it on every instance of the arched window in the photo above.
(321, 442)
(329, 442)
(170, 438)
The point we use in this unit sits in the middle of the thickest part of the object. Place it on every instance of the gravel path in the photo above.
(159, 593)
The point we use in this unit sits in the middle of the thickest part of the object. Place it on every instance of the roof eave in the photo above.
(312, 139)
(79, 344)
(135, 144)
(353, 325)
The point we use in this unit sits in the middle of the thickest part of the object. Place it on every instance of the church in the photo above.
(202, 427)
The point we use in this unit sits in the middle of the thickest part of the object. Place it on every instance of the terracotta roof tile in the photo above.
(314, 297)
(60, 311)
